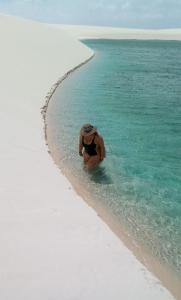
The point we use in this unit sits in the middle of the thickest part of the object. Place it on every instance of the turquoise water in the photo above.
(131, 90)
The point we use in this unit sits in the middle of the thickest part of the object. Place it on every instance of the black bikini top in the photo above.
(90, 148)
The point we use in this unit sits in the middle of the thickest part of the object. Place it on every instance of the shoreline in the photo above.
(166, 276)
(52, 91)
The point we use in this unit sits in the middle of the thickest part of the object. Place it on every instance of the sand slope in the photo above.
(52, 245)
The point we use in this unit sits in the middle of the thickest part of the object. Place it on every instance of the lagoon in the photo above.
(131, 91)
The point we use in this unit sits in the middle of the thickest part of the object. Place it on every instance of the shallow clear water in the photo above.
(131, 90)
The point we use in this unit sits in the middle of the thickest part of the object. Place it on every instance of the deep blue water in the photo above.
(130, 90)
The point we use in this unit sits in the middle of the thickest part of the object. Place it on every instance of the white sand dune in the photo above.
(81, 32)
(52, 244)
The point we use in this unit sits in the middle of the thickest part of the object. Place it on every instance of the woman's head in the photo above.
(88, 129)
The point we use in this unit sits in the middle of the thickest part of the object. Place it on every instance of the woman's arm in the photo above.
(101, 147)
(80, 145)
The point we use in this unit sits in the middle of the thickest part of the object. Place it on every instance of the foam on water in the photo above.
(131, 91)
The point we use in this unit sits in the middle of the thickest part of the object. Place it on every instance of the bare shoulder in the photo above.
(99, 139)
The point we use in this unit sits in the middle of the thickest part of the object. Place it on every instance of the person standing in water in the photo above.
(91, 146)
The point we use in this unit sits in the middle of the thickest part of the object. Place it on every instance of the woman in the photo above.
(91, 146)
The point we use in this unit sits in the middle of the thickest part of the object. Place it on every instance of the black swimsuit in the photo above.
(90, 148)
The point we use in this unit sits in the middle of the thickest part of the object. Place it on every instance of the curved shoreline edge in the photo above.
(53, 89)
(53, 245)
